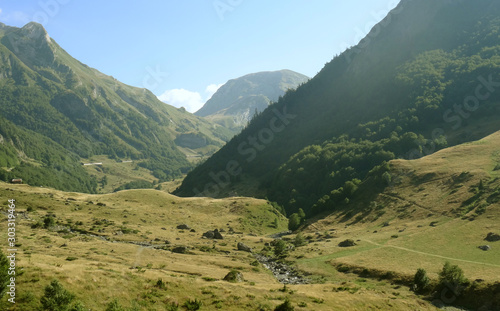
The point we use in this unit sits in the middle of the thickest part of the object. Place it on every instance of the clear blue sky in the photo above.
(196, 45)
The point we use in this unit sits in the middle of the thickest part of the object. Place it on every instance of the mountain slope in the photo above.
(393, 95)
(79, 112)
(235, 103)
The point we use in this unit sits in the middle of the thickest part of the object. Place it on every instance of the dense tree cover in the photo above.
(55, 111)
(138, 184)
(54, 166)
(405, 95)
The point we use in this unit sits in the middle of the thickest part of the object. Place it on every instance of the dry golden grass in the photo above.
(394, 232)
(100, 269)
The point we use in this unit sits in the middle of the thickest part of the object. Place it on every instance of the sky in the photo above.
(184, 50)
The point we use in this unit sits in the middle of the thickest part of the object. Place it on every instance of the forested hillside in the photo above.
(56, 111)
(424, 78)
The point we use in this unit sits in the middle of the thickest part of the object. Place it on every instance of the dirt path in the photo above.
(429, 254)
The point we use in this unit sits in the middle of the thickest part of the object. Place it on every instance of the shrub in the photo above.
(172, 306)
(160, 284)
(114, 306)
(299, 240)
(285, 306)
(420, 281)
(275, 223)
(452, 275)
(281, 249)
(56, 298)
(192, 305)
(48, 221)
(78, 306)
(4, 274)
(294, 222)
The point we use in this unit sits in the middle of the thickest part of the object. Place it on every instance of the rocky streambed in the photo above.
(285, 274)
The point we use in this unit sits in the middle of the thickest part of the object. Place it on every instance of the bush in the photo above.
(49, 221)
(114, 306)
(281, 249)
(420, 281)
(299, 240)
(285, 306)
(452, 275)
(4, 274)
(78, 306)
(56, 298)
(192, 305)
(172, 306)
(294, 222)
(160, 284)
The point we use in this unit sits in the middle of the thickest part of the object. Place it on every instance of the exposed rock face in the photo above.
(347, 243)
(37, 50)
(492, 237)
(183, 227)
(243, 247)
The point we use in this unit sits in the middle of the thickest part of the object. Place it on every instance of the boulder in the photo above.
(208, 235)
(484, 247)
(234, 277)
(492, 237)
(243, 247)
(180, 250)
(347, 243)
(217, 235)
(183, 227)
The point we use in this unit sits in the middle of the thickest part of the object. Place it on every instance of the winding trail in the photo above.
(429, 254)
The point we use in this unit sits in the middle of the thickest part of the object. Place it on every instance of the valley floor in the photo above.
(119, 246)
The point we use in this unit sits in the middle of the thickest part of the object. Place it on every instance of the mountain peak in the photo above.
(31, 44)
(240, 97)
(35, 31)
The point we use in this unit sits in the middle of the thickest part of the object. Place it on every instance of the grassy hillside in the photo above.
(115, 245)
(405, 91)
(75, 110)
(434, 209)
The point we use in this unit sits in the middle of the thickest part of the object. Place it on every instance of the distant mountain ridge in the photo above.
(240, 98)
(56, 111)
